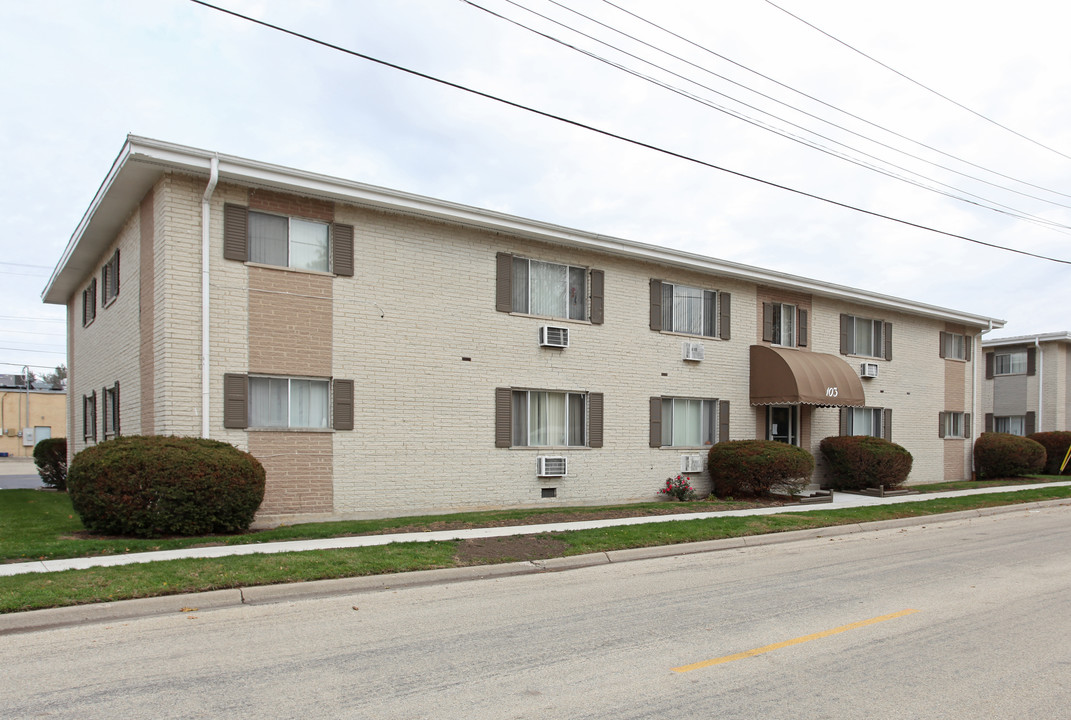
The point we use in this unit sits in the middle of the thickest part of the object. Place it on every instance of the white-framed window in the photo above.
(109, 280)
(1009, 363)
(89, 303)
(954, 346)
(866, 337)
(544, 418)
(689, 310)
(689, 422)
(285, 402)
(864, 421)
(549, 289)
(289, 242)
(1012, 424)
(784, 324)
(89, 417)
(953, 424)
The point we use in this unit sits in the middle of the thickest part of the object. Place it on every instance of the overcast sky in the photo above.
(78, 76)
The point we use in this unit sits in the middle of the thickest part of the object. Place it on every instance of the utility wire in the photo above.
(607, 133)
(838, 109)
(992, 205)
(916, 82)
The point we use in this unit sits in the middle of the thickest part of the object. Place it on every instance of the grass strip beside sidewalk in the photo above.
(74, 587)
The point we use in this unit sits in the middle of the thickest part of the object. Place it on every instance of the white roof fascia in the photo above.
(243, 171)
(1062, 336)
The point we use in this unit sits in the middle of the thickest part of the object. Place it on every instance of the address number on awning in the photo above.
(832, 392)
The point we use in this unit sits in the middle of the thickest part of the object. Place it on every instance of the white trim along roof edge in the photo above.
(1061, 336)
(143, 160)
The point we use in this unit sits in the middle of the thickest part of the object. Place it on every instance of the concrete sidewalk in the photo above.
(840, 500)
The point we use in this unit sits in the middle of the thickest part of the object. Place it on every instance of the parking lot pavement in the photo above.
(16, 482)
(18, 473)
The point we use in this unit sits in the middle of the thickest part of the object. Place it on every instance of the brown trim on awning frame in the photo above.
(784, 376)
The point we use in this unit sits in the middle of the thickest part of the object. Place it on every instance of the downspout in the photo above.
(978, 421)
(213, 178)
(1041, 382)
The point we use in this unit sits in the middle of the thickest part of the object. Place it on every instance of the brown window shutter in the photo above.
(115, 274)
(941, 347)
(767, 322)
(724, 314)
(989, 361)
(595, 403)
(842, 420)
(723, 421)
(1031, 423)
(941, 424)
(967, 432)
(888, 341)
(656, 422)
(886, 424)
(989, 422)
(104, 414)
(801, 333)
(342, 402)
(504, 285)
(656, 304)
(968, 342)
(116, 408)
(93, 422)
(503, 415)
(598, 281)
(235, 400)
(235, 232)
(846, 327)
(342, 250)
(1031, 361)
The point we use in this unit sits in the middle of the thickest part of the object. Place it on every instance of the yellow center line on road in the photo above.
(789, 643)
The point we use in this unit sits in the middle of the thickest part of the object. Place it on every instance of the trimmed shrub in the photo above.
(857, 462)
(152, 485)
(1055, 444)
(755, 467)
(50, 457)
(999, 455)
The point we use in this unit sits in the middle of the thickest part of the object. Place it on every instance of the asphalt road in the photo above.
(15, 482)
(965, 619)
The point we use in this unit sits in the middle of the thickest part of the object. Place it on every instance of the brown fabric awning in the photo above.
(782, 376)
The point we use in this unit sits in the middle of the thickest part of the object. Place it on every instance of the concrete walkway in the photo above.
(840, 500)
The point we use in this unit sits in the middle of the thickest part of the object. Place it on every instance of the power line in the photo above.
(31, 319)
(916, 82)
(992, 204)
(830, 106)
(607, 133)
(39, 367)
(39, 352)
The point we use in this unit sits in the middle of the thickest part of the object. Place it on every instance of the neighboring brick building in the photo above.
(26, 418)
(387, 354)
(1027, 383)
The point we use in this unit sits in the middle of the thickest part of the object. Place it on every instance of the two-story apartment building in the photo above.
(1026, 386)
(383, 353)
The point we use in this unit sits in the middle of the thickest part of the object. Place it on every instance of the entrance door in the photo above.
(782, 421)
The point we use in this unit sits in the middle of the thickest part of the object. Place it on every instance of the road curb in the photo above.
(34, 620)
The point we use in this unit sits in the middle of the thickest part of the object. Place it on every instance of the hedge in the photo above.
(755, 467)
(1055, 444)
(50, 457)
(857, 462)
(150, 486)
(999, 455)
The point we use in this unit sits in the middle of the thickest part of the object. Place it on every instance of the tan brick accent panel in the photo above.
(955, 459)
(955, 385)
(299, 469)
(146, 277)
(290, 323)
(285, 204)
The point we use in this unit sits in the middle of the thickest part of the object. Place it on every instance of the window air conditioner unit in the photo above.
(550, 466)
(868, 370)
(553, 336)
(691, 463)
(692, 351)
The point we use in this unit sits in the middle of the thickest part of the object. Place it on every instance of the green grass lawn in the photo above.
(40, 525)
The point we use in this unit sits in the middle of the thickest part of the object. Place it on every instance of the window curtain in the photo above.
(308, 403)
(308, 245)
(576, 420)
(577, 293)
(546, 418)
(520, 285)
(268, 239)
(268, 402)
(548, 288)
(520, 418)
(687, 310)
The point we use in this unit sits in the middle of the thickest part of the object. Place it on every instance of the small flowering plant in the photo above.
(678, 488)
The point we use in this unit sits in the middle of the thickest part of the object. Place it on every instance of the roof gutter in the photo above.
(206, 378)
